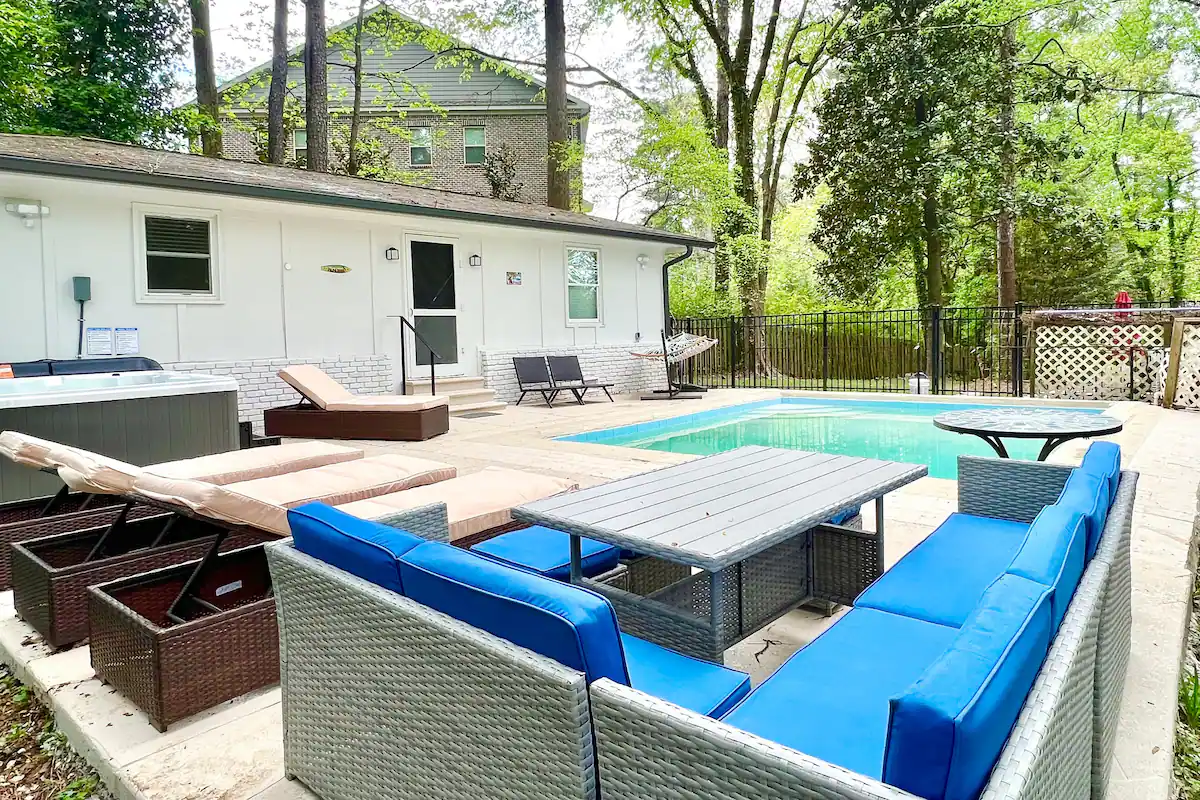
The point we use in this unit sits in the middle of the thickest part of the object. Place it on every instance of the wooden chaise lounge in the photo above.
(330, 411)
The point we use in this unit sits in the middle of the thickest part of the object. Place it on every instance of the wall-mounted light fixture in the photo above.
(391, 254)
(475, 260)
(27, 210)
(643, 260)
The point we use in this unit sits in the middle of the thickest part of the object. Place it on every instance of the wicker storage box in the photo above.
(50, 575)
(172, 671)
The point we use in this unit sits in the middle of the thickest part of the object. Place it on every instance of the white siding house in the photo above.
(242, 268)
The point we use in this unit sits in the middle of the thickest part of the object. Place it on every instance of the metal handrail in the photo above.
(434, 356)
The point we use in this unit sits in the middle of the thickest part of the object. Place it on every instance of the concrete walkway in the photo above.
(235, 752)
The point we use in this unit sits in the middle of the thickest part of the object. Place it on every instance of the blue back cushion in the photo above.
(1087, 493)
(358, 546)
(947, 729)
(1104, 458)
(568, 623)
(1053, 555)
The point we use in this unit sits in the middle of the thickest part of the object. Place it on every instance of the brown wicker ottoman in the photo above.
(50, 575)
(309, 422)
(172, 671)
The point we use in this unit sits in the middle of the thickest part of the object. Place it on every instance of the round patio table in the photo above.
(1056, 426)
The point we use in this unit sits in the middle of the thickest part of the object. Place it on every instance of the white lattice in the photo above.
(1099, 362)
(1187, 386)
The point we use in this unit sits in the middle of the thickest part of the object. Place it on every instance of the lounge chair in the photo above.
(567, 375)
(330, 411)
(533, 375)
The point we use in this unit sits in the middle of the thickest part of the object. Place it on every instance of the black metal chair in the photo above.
(567, 375)
(534, 376)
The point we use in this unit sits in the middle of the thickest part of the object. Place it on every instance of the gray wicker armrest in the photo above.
(429, 522)
(1007, 488)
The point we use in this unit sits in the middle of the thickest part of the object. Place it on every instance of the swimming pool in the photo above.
(891, 430)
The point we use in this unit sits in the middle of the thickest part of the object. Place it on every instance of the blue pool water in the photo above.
(895, 431)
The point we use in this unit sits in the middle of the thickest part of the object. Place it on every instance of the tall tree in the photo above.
(352, 162)
(26, 36)
(276, 146)
(206, 79)
(558, 174)
(1006, 223)
(316, 86)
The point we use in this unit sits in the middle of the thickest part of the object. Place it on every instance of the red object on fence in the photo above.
(1122, 300)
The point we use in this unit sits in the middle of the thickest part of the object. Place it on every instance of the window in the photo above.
(420, 148)
(300, 145)
(474, 145)
(583, 285)
(177, 255)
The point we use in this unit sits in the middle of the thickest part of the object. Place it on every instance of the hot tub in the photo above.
(139, 417)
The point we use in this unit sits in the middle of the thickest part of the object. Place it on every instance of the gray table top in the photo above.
(1027, 423)
(721, 509)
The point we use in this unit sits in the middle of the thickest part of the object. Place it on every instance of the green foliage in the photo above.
(25, 37)
(500, 169)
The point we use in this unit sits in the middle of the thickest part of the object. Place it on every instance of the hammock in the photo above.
(679, 347)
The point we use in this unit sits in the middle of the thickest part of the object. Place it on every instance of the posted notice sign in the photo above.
(127, 341)
(99, 341)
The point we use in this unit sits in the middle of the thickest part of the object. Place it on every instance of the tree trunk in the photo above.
(1006, 224)
(930, 225)
(356, 114)
(276, 146)
(206, 79)
(1175, 270)
(558, 176)
(721, 140)
(316, 86)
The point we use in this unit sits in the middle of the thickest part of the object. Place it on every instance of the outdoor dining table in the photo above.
(745, 519)
(1055, 425)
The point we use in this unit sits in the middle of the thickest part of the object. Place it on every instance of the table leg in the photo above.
(1051, 443)
(715, 611)
(576, 559)
(997, 445)
(879, 534)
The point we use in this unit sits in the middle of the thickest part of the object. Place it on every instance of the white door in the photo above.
(432, 265)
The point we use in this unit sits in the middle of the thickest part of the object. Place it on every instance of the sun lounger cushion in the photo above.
(696, 685)
(314, 384)
(548, 552)
(942, 578)
(1053, 555)
(256, 462)
(389, 402)
(474, 503)
(30, 451)
(1104, 458)
(568, 623)
(1087, 492)
(947, 729)
(830, 699)
(85, 471)
(366, 549)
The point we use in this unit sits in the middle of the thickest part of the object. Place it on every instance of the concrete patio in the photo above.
(235, 752)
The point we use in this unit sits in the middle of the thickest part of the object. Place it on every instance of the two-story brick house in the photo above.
(434, 122)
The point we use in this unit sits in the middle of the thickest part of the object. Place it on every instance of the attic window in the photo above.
(177, 255)
(420, 148)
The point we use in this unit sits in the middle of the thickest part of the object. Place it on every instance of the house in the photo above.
(240, 268)
(434, 121)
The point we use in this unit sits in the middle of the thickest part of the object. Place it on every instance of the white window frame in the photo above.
(296, 150)
(216, 252)
(583, 323)
(484, 145)
(411, 146)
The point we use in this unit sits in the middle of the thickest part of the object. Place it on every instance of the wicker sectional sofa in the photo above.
(1010, 690)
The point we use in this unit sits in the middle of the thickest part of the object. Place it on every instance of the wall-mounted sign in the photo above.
(126, 340)
(512, 278)
(336, 269)
(99, 341)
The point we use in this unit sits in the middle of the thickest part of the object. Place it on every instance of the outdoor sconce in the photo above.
(643, 260)
(475, 260)
(391, 254)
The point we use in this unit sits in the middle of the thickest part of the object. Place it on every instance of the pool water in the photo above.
(894, 431)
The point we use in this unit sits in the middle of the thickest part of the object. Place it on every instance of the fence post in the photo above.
(732, 352)
(1018, 351)
(935, 356)
(825, 351)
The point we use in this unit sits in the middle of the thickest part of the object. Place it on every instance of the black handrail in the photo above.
(434, 356)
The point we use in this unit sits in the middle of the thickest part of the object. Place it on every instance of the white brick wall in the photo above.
(609, 363)
(260, 387)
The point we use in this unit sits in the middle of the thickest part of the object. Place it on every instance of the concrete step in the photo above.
(444, 385)
(491, 405)
(461, 397)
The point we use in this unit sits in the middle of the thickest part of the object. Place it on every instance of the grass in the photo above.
(36, 762)
(1187, 723)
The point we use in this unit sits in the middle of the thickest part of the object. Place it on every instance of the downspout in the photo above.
(666, 286)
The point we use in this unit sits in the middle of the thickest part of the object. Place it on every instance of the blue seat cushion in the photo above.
(1053, 555)
(548, 552)
(699, 686)
(358, 546)
(1104, 458)
(1087, 492)
(830, 700)
(845, 516)
(947, 729)
(942, 578)
(568, 623)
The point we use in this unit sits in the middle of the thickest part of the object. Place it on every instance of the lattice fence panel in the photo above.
(1092, 362)
(1187, 387)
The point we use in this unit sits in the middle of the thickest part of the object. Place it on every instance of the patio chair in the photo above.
(329, 411)
(533, 375)
(566, 374)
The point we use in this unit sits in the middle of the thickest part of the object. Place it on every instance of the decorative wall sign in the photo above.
(512, 278)
(336, 269)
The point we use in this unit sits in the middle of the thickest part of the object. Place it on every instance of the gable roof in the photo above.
(97, 160)
(519, 87)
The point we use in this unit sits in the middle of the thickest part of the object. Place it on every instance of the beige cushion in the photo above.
(85, 471)
(256, 462)
(313, 383)
(390, 402)
(30, 451)
(474, 502)
(263, 503)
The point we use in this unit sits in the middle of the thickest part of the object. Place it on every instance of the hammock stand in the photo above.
(676, 350)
